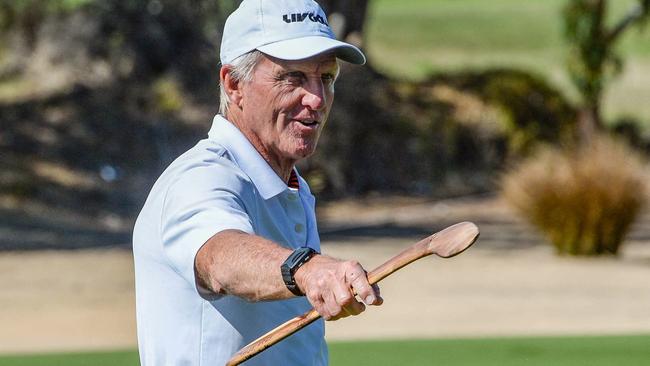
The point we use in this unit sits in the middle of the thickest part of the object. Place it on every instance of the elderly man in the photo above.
(226, 246)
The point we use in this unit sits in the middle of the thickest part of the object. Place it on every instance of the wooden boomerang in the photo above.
(445, 243)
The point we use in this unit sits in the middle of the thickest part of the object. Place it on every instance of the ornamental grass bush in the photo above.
(584, 200)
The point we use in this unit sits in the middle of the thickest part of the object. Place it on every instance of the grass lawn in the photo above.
(117, 358)
(412, 38)
(556, 351)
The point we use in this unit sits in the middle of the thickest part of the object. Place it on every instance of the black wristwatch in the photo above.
(299, 257)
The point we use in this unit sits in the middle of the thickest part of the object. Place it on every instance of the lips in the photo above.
(307, 122)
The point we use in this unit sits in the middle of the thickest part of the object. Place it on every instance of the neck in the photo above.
(282, 167)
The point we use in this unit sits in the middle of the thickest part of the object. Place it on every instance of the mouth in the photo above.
(308, 122)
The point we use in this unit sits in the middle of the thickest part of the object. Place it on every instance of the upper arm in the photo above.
(203, 201)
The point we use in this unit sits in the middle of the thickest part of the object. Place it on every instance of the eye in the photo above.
(328, 79)
(295, 77)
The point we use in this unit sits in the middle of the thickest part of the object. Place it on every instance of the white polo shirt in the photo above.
(221, 183)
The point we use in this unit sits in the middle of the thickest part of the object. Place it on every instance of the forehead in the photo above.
(321, 63)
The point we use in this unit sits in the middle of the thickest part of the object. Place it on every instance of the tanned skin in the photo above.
(282, 112)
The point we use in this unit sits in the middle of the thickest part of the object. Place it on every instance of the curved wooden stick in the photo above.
(446, 243)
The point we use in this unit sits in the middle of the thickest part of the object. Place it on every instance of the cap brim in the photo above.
(306, 47)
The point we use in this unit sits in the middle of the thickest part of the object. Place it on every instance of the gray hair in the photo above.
(241, 70)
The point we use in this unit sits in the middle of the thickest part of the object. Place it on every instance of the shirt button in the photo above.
(299, 228)
(292, 197)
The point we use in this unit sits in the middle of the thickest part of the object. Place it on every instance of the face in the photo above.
(285, 105)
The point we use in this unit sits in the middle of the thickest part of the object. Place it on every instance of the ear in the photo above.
(231, 86)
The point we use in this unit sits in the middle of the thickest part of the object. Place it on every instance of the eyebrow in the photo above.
(324, 64)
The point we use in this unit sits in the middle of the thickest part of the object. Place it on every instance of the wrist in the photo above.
(291, 266)
(302, 275)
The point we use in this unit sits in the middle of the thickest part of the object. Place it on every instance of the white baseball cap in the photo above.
(284, 29)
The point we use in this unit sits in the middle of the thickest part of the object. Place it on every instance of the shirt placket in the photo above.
(297, 217)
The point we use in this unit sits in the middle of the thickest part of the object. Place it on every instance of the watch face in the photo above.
(299, 257)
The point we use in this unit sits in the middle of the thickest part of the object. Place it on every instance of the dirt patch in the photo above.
(509, 283)
(66, 300)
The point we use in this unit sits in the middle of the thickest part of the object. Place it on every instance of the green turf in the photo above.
(412, 38)
(403, 36)
(117, 358)
(537, 351)
(556, 351)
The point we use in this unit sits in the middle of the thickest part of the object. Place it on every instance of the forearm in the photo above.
(236, 263)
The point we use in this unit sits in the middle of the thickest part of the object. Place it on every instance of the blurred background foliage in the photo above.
(583, 198)
(97, 97)
(594, 59)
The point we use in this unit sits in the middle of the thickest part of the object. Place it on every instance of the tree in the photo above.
(347, 18)
(593, 58)
(586, 198)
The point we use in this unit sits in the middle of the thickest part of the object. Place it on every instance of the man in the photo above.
(226, 244)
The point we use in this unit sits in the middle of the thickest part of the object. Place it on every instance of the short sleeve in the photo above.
(202, 202)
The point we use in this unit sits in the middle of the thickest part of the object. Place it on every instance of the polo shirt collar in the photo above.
(267, 181)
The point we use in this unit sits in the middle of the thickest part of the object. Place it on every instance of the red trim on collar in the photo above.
(293, 180)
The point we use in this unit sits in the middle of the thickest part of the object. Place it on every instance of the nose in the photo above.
(315, 95)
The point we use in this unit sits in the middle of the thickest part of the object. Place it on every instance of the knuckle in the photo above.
(312, 297)
(353, 264)
(345, 297)
(366, 288)
(322, 310)
(347, 300)
(362, 288)
(335, 310)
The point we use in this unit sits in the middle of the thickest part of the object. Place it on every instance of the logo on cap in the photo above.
(300, 17)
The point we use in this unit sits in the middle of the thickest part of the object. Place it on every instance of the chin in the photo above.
(303, 152)
(303, 149)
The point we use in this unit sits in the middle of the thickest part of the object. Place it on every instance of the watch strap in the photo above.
(298, 258)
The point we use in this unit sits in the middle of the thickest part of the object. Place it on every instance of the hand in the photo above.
(330, 285)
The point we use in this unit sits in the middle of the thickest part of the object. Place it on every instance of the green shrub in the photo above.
(584, 200)
(531, 109)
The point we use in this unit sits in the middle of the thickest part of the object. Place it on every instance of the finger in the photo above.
(316, 300)
(332, 307)
(380, 300)
(359, 282)
(345, 298)
(354, 308)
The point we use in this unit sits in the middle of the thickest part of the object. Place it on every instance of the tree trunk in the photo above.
(347, 18)
(588, 123)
